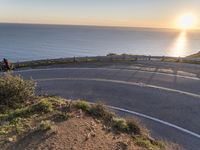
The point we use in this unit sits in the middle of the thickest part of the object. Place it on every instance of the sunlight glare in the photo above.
(180, 45)
(187, 21)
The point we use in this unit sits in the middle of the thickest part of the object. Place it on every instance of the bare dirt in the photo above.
(77, 134)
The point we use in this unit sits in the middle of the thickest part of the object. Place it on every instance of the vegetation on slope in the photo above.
(25, 115)
(197, 55)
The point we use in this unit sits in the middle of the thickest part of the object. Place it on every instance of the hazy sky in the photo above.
(149, 13)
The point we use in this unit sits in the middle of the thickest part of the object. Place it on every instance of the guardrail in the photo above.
(111, 58)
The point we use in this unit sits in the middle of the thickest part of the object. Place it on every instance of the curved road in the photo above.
(169, 98)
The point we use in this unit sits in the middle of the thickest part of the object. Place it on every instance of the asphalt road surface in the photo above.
(171, 102)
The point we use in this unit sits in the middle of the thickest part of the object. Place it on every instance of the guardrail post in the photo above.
(74, 59)
(86, 59)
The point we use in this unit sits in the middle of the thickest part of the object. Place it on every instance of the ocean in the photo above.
(22, 42)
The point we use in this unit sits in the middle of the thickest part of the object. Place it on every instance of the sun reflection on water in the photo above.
(180, 45)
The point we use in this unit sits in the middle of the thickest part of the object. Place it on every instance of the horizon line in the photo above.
(95, 25)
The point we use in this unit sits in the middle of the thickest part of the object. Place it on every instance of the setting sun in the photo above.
(187, 21)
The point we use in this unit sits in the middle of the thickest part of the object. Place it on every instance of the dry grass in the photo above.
(14, 91)
(47, 112)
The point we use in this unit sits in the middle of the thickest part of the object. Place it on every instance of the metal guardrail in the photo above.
(132, 58)
(111, 58)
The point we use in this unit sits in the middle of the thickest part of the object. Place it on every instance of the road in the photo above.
(171, 98)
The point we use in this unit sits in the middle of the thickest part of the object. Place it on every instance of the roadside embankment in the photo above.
(43, 122)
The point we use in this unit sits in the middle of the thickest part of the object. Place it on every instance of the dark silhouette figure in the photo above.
(6, 65)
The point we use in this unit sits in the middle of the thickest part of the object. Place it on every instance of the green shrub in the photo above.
(63, 116)
(45, 125)
(82, 105)
(120, 124)
(20, 125)
(134, 127)
(145, 142)
(18, 113)
(44, 106)
(101, 111)
(17, 126)
(14, 91)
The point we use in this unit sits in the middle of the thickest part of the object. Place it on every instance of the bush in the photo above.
(101, 111)
(44, 106)
(63, 116)
(14, 91)
(45, 125)
(144, 142)
(134, 126)
(82, 105)
(120, 124)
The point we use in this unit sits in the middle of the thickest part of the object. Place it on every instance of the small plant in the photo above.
(20, 125)
(45, 125)
(82, 105)
(148, 143)
(44, 106)
(17, 126)
(101, 111)
(5, 129)
(144, 142)
(63, 116)
(134, 127)
(14, 91)
(120, 124)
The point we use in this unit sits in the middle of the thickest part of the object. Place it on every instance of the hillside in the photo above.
(197, 55)
(31, 122)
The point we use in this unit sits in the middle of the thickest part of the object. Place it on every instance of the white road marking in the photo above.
(160, 73)
(123, 82)
(156, 120)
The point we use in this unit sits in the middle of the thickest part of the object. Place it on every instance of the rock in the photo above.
(93, 134)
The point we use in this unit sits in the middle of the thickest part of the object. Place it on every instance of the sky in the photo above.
(133, 13)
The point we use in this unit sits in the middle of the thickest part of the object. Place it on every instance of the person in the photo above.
(6, 64)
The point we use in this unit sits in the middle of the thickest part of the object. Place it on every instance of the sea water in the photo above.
(21, 42)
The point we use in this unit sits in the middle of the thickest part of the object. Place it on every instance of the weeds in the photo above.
(45, 125)
(44, 106)
(17, 126)
(150, 144)
(101, 111)
(14, 91)
(82, 105)
(120, 124)
(144, 142)
(63, 116)
(134, 126)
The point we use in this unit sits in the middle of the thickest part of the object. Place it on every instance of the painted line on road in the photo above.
(109, 69)
(122, 82)
(153, 119)
(156, 120)
(133, 112)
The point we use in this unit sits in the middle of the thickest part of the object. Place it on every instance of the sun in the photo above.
(187, 21)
